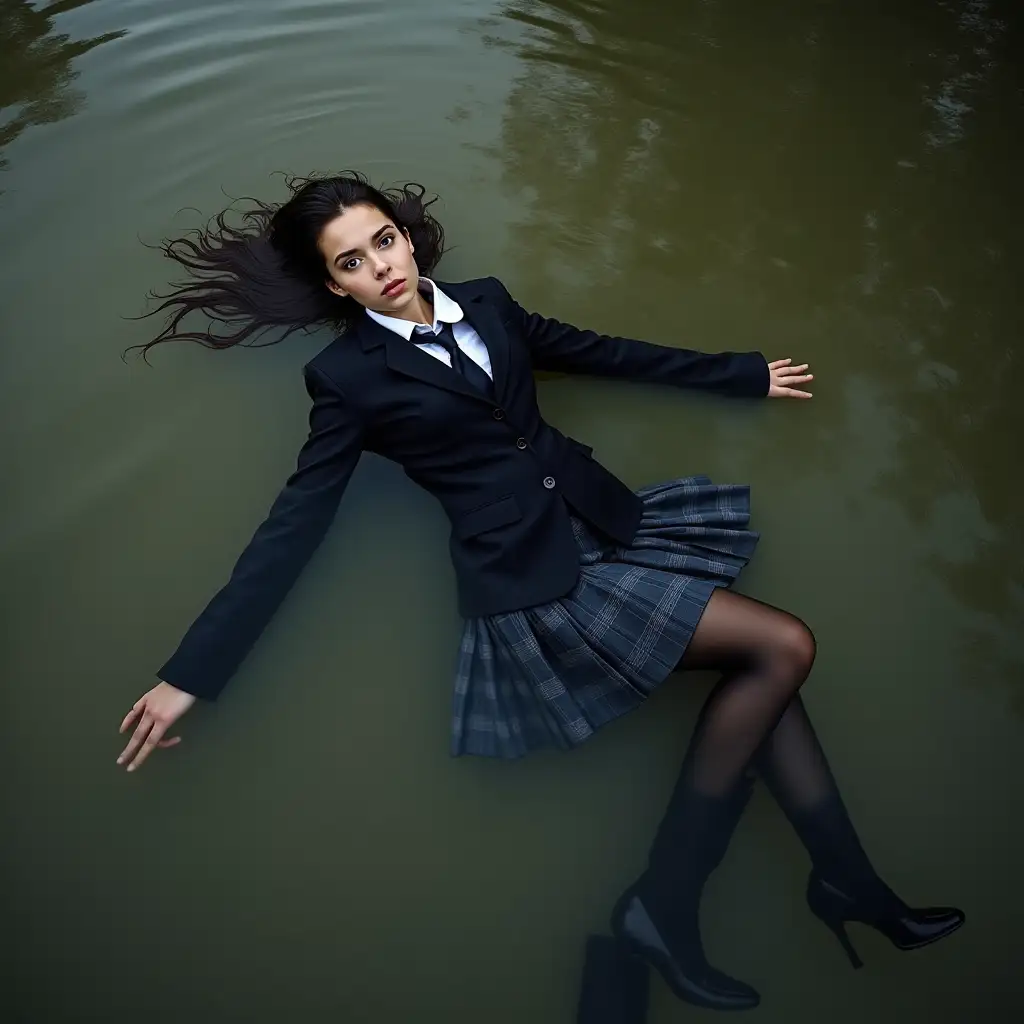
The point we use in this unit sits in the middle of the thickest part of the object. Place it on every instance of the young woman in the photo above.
(579, 596)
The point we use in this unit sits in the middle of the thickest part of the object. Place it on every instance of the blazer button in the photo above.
(549, 482)
(521, 444)
(499, 414)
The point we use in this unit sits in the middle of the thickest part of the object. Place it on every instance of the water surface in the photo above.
(835, 182)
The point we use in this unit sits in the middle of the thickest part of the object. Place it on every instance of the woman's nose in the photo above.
(381, 268)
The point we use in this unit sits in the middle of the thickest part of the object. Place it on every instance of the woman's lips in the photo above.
(394, 288)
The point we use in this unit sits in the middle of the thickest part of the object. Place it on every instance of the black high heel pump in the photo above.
(905, 927)
(681, 962)
(657, 919)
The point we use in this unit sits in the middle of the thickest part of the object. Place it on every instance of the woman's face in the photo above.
(370, 259)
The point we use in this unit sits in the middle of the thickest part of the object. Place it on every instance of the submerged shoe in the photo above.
(680, 960)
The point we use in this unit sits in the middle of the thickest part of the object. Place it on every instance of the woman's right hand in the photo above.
(155, 713)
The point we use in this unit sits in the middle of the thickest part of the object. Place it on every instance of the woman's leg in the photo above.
(765, 655)
(844, 884)
(789, 758)
(796, 771)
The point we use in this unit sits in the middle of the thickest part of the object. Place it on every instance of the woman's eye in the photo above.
(352, 264)
(387, 239)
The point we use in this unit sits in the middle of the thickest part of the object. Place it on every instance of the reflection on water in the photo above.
(35, 66)
(839, 181)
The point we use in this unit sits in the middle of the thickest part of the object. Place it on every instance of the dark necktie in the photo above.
(461, 363)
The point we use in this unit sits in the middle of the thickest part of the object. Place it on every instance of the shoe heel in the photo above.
(831, 907)
(614, 988)
(839, 930)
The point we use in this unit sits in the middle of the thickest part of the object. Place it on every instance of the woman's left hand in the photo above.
(784, 378)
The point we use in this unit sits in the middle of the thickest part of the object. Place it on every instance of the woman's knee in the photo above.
(794, 648)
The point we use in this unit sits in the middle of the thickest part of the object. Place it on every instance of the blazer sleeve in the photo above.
(561, 347)
(223, 634)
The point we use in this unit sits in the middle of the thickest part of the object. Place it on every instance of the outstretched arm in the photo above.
(561, 347)
(222, 635)
(219, 639)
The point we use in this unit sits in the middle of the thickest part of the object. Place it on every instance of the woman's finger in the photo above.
(147, 748)
(138, 737)
(793, 393)
(172, 742)
(788, 382)
(789, 371)
(778, 363)
(131, 716)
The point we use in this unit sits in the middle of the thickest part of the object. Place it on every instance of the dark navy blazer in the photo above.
(506, 479)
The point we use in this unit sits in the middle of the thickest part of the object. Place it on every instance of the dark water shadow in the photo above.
(36, 75)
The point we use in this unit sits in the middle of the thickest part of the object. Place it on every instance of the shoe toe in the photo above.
(941, 920)
(734, 994)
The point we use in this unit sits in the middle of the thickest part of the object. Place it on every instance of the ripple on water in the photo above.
(195, 84)
(169, 56)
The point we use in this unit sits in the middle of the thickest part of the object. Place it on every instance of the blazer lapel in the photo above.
(404, 357)
(486, 322)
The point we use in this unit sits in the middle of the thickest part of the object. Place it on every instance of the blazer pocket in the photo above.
(488, 517)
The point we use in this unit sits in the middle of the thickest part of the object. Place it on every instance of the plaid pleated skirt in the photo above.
(553, 674)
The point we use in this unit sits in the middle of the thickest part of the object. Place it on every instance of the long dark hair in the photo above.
(264, 278)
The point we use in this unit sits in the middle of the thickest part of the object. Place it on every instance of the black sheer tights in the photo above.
(754, 721)
(765, 655)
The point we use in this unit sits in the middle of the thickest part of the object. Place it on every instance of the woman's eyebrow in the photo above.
(373, 238)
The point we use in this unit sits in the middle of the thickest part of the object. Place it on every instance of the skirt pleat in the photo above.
(553, 674)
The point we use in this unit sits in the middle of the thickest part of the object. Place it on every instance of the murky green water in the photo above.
(837, 182)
